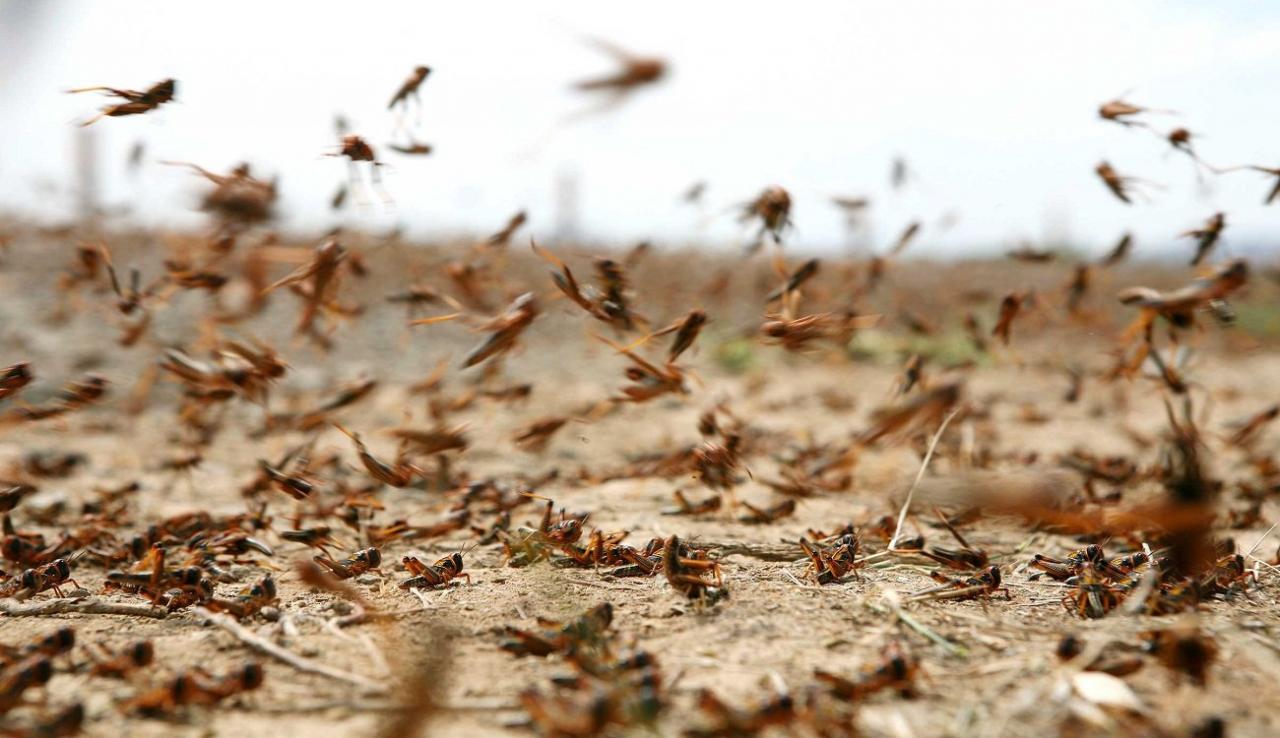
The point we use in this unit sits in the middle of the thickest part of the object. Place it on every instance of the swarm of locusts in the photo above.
(300, 510)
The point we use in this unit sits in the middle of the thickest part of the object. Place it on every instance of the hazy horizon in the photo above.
(992, 104)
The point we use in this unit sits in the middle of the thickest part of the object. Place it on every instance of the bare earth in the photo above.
(990, 665)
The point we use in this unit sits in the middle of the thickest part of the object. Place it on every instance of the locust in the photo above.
(983, 584)
(1122, 112)
(772, 208)
(135, 102)
(1206, 237)
(408, 90)
(438, 574)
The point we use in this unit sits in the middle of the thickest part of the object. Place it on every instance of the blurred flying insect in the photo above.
(648, 380)
(409, 88)
(1118, 184)
(636, 72)
(356, 150)
(686, 330)
(400, 474)
(14, 378)
(798, 332)
(1075, 387)
(428, 441)
(1119, 252)
(616, 298)
(1180, 140)
(469, 278)
(137, 155)
(802, 274)
(905, 238)
(1010, 306)
(74, 396)
(1271, 171)
(295, 484)
(339, 197)
(503, 237)
(344, 395)
(420, 295)
(773, 209)
(912, 376)
(1032, 255)
(609, 305)
(183, 276)
(319, 537)
(1206, 236)
(320, 275)
(413, 148)
(504, 330)
(237, 197)
(975, 332)
(130, 298)
(926, 408)
(135, 103)
(84, 269)
(535, 436)
(1078, 287)
(1119, 111)
(900, 173)
(1245, 430)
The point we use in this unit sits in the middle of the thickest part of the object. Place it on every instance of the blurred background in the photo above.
(992, 105)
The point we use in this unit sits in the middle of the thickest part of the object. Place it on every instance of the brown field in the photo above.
(989, 667)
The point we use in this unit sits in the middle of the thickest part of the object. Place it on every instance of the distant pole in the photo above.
(857, 235)
(566, 205)
(852, 229)
(85, 144)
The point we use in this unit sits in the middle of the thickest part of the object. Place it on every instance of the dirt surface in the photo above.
(989, 664)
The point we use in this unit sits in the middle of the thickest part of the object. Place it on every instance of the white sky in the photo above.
(992, 103)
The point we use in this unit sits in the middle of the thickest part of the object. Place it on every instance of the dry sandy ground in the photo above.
(996, 676)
